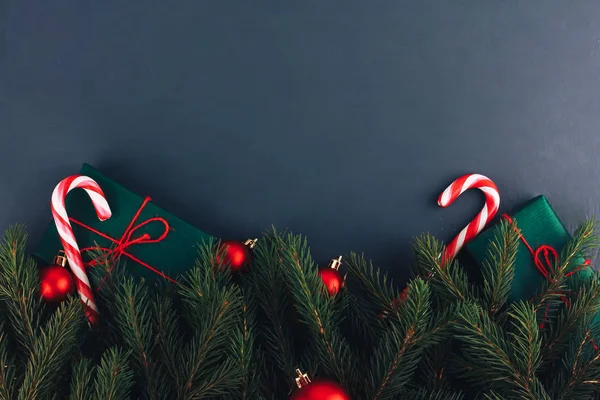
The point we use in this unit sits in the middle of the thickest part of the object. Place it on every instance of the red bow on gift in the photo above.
(545, 257)
(127, 240)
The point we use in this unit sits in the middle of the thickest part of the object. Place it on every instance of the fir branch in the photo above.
(316, 309)
(365, 323)
(583, 243)
(488, 348)
(168, 338)
(581, 362)
(81, 380)
(114, 376)
(132, 313)
(434, 364)
(377, 284)
(526, 342)
(19, 286)
(397, 356)
(268, 282)
(107, 272)
(491, 395)
(222, 380)
(449, 281)
(498, 268)
(441, 324)
(245, 347)
(435, 394)
(213, 309)
(52, 349)
(7, 368)
(584, 304)
(580, 246)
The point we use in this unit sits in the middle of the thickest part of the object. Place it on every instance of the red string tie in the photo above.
(128, 239)
(545, 258)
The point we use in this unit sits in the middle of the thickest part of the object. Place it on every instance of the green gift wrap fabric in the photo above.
(539, 225)
(173, 255)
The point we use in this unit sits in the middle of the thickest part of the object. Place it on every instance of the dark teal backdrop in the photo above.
(342, 120)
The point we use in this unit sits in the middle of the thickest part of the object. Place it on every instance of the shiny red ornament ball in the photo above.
(56, 283)
(237, 254)
(332, 279)
(321, 390)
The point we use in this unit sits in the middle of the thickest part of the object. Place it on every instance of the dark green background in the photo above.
(341, 120)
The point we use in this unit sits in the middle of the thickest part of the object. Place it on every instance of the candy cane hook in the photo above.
(65, 231)
(492, 203)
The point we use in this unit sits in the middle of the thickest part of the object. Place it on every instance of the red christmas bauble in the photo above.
(332, 279)
(56, 283)
(321, 390)
(237, 254)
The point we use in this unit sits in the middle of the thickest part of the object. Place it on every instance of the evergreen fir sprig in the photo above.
(376, 284)
(492, 395)
(575, 251)
(316, 310)
(364, 323)
(449, 281)
(397, 356)
(114, 377)
(207, 367)
(19, 286)
(132, 311)
(168, 338)
(106, 274)
(7, 367)
(489, 351)
(436, 394)
(584, 304)
(580, 374)
(525, 340)
(245, 349)
(267, 280)
(434, 366)
(82, 380)
(581, 246)
(52, 350)
(498, 267)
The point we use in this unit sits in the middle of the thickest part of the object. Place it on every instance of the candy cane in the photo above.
(492, 203)
(65, 231)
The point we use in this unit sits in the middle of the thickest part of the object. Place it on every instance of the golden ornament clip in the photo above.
(60, 259)
(302, 379)
(335, 263)
(251, 243)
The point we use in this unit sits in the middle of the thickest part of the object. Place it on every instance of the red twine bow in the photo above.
(128, 239)
(545, 257)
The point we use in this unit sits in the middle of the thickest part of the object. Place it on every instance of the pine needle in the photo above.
(397, 356)
(81, 380)
(498, 268)
(19, 285)
(449, 281)
(133, 317)
(377, 284)
(114, 376)
(213, 310)
(267, 281)
(316, 310)
(7, 368)
(52, 350)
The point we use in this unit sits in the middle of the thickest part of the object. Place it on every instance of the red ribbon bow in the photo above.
(128, 239)
(545, 258)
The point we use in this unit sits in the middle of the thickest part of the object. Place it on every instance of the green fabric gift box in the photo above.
(153, 243)
(539, 226)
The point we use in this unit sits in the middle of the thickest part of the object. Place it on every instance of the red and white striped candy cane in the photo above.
(65, 231)
(492, 203)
